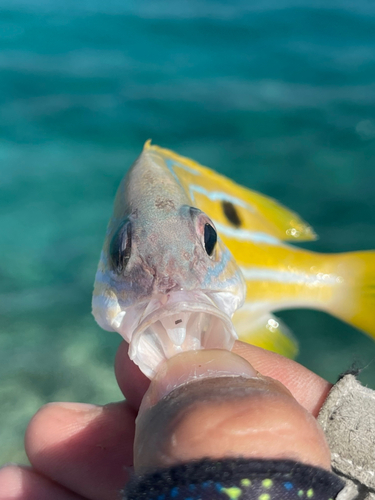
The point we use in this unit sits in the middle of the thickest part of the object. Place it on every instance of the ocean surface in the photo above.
(277, 94)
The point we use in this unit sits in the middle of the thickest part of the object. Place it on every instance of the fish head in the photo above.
(165, 281)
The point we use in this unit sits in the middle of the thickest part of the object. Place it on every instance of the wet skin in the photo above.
(80, 451)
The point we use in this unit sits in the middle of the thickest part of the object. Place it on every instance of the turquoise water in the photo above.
(279, 95)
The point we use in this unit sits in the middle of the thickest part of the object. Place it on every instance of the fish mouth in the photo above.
(176, 322)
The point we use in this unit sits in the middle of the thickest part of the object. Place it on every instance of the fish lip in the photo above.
(206, 325)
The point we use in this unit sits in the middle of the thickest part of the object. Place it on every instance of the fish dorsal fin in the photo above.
(234, 209)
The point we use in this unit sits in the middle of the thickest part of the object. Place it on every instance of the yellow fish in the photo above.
(193, 260)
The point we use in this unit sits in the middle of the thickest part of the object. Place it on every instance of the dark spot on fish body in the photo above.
(231, 213)
(162, 203)
(178, 321)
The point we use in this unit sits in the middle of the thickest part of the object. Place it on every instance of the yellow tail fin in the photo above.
(354, 301)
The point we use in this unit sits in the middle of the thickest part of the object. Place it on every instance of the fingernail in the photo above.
(191, 366)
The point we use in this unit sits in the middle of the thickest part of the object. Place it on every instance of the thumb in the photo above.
(214, 404)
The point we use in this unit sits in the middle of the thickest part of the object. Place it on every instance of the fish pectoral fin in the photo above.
(266, 331)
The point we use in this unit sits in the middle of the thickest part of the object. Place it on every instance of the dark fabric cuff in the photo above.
(236, 479)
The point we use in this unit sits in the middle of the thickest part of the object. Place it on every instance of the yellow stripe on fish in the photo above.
(181, 228)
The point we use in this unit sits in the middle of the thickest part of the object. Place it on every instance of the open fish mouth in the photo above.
(176, 322)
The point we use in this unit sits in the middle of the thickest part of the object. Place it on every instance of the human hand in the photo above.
(80, 451)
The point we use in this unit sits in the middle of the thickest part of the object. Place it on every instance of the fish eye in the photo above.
(120, 248)
(210, 238)
(205, 226)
